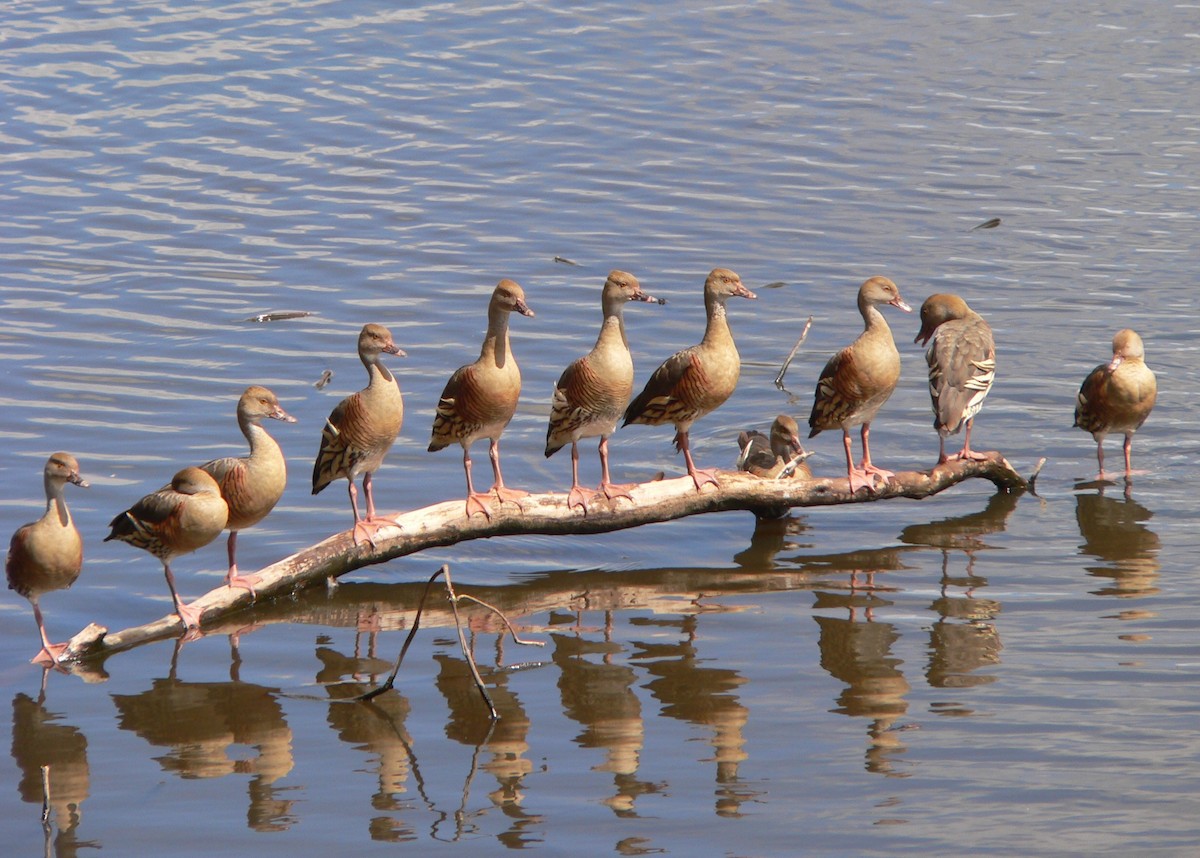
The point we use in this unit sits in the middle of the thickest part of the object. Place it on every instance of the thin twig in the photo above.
(500, 614)
(790, 468)
(45, 794)
(462, 641)
(390, 681)
(792, 353)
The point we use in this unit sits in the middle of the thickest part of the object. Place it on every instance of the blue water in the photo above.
(1020, 678)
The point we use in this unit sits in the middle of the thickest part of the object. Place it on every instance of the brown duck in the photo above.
(697, 380)
(962, 367)
(1117, 396)
(773, 456)
(361, 429)
(47, 554)
(480, 398)
(858, 379)
(592, 392)
(251, 485)
(173, 521)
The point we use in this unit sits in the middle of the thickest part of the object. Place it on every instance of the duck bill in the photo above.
(648, 299)
(899, 303)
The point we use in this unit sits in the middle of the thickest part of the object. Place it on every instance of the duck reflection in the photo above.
(39, 738)
(770, 537)
(701, 696)
(857, 650)
(376, 727)
(598, 694)
(207, 727)
(506, 741)
(964, 638)
(1113, 531)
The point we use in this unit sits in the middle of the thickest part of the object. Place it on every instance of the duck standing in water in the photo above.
(1117, 396)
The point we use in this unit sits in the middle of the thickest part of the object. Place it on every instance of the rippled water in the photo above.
(1018, 680)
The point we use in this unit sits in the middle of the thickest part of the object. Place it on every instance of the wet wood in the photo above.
(444, 524)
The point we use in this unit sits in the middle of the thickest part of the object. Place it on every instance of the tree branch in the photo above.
(443, 524)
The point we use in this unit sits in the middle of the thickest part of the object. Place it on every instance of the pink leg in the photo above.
(372, 523)
(189, 616)
(866, 459)
(699, 477)
(505, 494)
(232, 578)
(967, 453)
(858, 479)
(1100, 457)
(475, 500)
(611, 490)
(576, 496)
(50, 653)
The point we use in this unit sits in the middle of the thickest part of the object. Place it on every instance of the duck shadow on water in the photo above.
(1115, 532)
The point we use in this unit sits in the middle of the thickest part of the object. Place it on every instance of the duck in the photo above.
(858, 379)
(47, 554)
(178, 519)
(251, 485)
(777, 456)
(361, 429)
(1117, 396)
(962, 367)
(591, 394)
(697, 380)
(480, 398)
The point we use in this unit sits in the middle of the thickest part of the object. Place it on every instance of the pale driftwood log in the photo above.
(443, 524)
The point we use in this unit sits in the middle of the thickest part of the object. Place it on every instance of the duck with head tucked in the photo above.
(47, 554)
(697, 380)
(177, 519)
(481, 398)
(858, 379)
(1117, 396)
(962, 367)
(361, 429)
(592, 391)
(251, 485)
(777, 456)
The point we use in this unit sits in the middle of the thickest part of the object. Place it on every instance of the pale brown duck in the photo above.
(774, 456)
(480, 398)
(361, 429)
(697, 380)
(47, 554)
(251, 485)
(962, 367)
(592, 392)
(1117, 396)
(858, 379)
(175, 520)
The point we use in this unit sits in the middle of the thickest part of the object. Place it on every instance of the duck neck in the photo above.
(873, 320)
(612, 329)
(717, 329)
(495, 343)
(375, 369)
(56, 502)
(260, 441)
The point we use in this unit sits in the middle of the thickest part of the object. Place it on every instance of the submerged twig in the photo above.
(45, 795)
(454, 599)
(792, 353)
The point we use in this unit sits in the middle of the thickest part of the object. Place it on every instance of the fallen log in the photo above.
(444, 524)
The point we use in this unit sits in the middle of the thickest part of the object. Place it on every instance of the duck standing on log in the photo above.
(173, 521)
(697, 380)
(858, 379)
(593, 391)
(362, 428)
(1117, 396)
(47, 554)
(962, 367)
(480, 398)
(251, 485)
